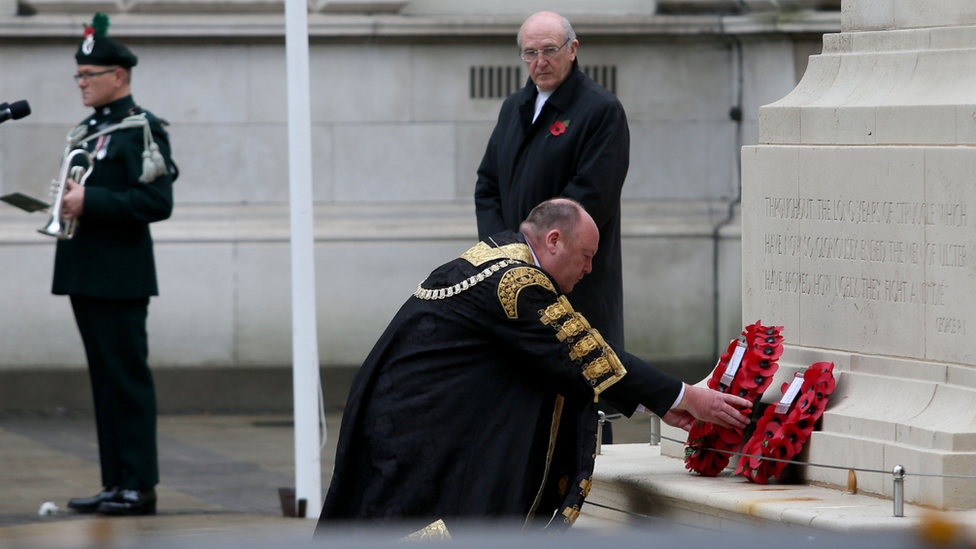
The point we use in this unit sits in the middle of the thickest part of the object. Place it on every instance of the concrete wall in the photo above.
(396, 142)
(392, 123)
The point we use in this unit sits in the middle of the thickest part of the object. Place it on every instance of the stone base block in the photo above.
(888, 411)
(637, 479)
(918, 415)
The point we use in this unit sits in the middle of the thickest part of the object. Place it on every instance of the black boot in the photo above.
(130, 502)
(90, 505)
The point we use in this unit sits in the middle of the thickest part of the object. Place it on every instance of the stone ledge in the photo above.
(875, 88)
(901, 40)
(389, 222)
(272, 25)
(743, 6)
(360, 6)
(207, 6)
(927, 429)
(636, 478)
(862, 15)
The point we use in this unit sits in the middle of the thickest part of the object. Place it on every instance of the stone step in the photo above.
(861, 452)
(925, 414)
(636, 478)
(921, 416)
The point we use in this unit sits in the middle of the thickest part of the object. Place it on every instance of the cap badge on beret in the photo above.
(89, 44)
(99, 49)
(97, 29)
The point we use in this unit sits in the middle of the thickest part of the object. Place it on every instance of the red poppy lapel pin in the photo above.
(558, 127)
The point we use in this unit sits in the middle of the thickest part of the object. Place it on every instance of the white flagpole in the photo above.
(305, 355)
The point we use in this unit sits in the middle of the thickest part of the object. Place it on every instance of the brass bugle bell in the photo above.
(57, 226)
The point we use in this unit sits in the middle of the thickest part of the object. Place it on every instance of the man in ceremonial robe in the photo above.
(479, 399)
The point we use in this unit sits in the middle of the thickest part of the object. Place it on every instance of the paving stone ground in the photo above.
(220, 476)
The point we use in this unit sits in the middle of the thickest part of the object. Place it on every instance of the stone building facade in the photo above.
(404, 97)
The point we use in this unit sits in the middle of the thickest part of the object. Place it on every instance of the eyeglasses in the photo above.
(87, 77)
(550, 52)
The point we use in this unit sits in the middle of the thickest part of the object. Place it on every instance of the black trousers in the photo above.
(117, 347)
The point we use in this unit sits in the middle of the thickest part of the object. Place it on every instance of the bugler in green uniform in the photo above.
(109, 271)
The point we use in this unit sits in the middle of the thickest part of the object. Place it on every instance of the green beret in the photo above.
(98, 49)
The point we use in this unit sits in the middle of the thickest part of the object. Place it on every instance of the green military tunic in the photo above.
(111, 255)
(109, 271)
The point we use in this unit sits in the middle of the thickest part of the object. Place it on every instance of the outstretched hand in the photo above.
(679, 418)
(722, 409)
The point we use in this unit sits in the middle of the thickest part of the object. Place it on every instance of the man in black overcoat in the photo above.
(561, 135)
(108, 268)
(478, 402)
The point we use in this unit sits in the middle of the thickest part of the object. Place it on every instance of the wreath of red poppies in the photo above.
(763, 345)
(783, 430)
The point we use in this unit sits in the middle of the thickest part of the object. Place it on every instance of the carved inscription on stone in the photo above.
(858, 252)
(867, 211)
(938, 254)
(853, 287)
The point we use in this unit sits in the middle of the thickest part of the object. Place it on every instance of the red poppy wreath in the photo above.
(746, 369)
(785, 427)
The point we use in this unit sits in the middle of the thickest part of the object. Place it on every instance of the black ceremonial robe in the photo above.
(477, 402)
(526, 164)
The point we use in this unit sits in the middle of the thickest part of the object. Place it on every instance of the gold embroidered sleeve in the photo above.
(572, 327)
(571, 514)
(436, 530)
(586, 485)
(482, 253)
(598, 362)
(514, 281)
(556, 311)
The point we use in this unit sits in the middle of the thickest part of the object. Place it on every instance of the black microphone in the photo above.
(15, 110)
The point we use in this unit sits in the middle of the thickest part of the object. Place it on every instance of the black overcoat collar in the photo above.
(560, 99)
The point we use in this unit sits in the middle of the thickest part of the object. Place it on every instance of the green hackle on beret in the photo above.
(98, 49)
(100, 24)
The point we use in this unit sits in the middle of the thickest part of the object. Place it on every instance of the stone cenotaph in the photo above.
(859, 236)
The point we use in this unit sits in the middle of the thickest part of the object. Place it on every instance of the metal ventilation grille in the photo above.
(604, 75)
(495, 82)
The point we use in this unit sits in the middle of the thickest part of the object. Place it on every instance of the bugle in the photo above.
(57, 226)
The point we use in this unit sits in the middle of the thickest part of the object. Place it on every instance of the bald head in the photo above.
(564, 239)
(549, 20)
(558, 213)
(548, 44)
